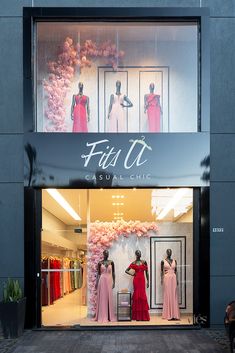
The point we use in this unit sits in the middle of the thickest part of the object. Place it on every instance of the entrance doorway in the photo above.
(78, 224)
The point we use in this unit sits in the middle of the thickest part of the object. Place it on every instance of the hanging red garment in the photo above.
(140, 307)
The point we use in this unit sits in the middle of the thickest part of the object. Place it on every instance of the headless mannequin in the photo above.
(80, 94)
(118, 93)
(169, 260)
(151, 90)
(138, 262)
(106, 262)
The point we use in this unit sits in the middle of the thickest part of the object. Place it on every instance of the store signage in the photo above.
(97, 160)
(108, 156)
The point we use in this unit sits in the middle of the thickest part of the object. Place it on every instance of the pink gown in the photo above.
(117, 119)
(104, 304)
(170, 296)
(153, 112)
(80, 114)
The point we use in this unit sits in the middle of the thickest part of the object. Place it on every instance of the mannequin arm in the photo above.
(176, 273)
(129, 273)
(147, 274)
(129, 103)
(158, 99)
(162, 271)
(110, 105)
(88, 109)
(72, 106)
(113, 273)
(98, 275)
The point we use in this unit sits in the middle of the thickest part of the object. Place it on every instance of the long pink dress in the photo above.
(104, 304)
(154, 112)
(170, 296)
(80, 114)
(117, 120)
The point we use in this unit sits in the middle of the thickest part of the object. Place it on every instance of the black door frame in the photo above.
(201, 259)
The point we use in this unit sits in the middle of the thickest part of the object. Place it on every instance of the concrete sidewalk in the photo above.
(165, 341)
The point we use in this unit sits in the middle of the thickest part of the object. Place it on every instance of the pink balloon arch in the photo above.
(62, 71)
(101, 237)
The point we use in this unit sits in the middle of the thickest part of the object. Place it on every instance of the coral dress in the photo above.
(140, 307)
(170, 296)
(153, 112)
(117, 120)
(80, 114)
(104, 304)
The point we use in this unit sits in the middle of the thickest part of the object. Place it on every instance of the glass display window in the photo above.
(117, 257)
(117, 77)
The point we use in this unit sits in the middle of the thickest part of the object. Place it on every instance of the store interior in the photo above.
(73, 220)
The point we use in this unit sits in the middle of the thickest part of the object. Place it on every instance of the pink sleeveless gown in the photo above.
(104, 304)
(154, 112)
(117, 121)
(170, 293)
(80, 114)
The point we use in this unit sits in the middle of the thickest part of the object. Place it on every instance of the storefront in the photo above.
(116, 158)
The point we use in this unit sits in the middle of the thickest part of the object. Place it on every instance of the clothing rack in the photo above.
(70, 278)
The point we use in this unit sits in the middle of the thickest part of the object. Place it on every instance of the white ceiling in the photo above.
(136, 204)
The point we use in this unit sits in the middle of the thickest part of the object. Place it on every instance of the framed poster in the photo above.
(158, 247)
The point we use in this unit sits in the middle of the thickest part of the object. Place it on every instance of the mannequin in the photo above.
(153, 108)
(105, 283)
(80, 110)
(170, 282)
(140, 307)
(116, 113)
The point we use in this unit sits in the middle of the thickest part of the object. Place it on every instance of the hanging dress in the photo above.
(104, 303)
(140, 307)
(117, 117)
(170, 292)
(80, 114)
(153, 112)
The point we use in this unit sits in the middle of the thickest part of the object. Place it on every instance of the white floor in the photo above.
(68, 311)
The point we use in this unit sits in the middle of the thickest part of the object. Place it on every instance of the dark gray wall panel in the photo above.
(11, 158)
(113, 3)
(222, 292)
(223, 157)
(11, 73)
(222, 75)
(222, 245)
(13, 7)
(220, 7)
(4, 279)
(12, 230)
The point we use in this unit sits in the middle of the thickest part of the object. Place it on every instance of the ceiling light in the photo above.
(63, 203)
(174, 200)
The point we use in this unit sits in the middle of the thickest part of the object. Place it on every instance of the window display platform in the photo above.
(155, 320)
(68, 312)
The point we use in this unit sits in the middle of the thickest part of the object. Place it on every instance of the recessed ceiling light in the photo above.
(63, 203)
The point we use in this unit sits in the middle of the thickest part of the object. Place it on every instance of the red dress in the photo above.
(154, 112)
(140, 307)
